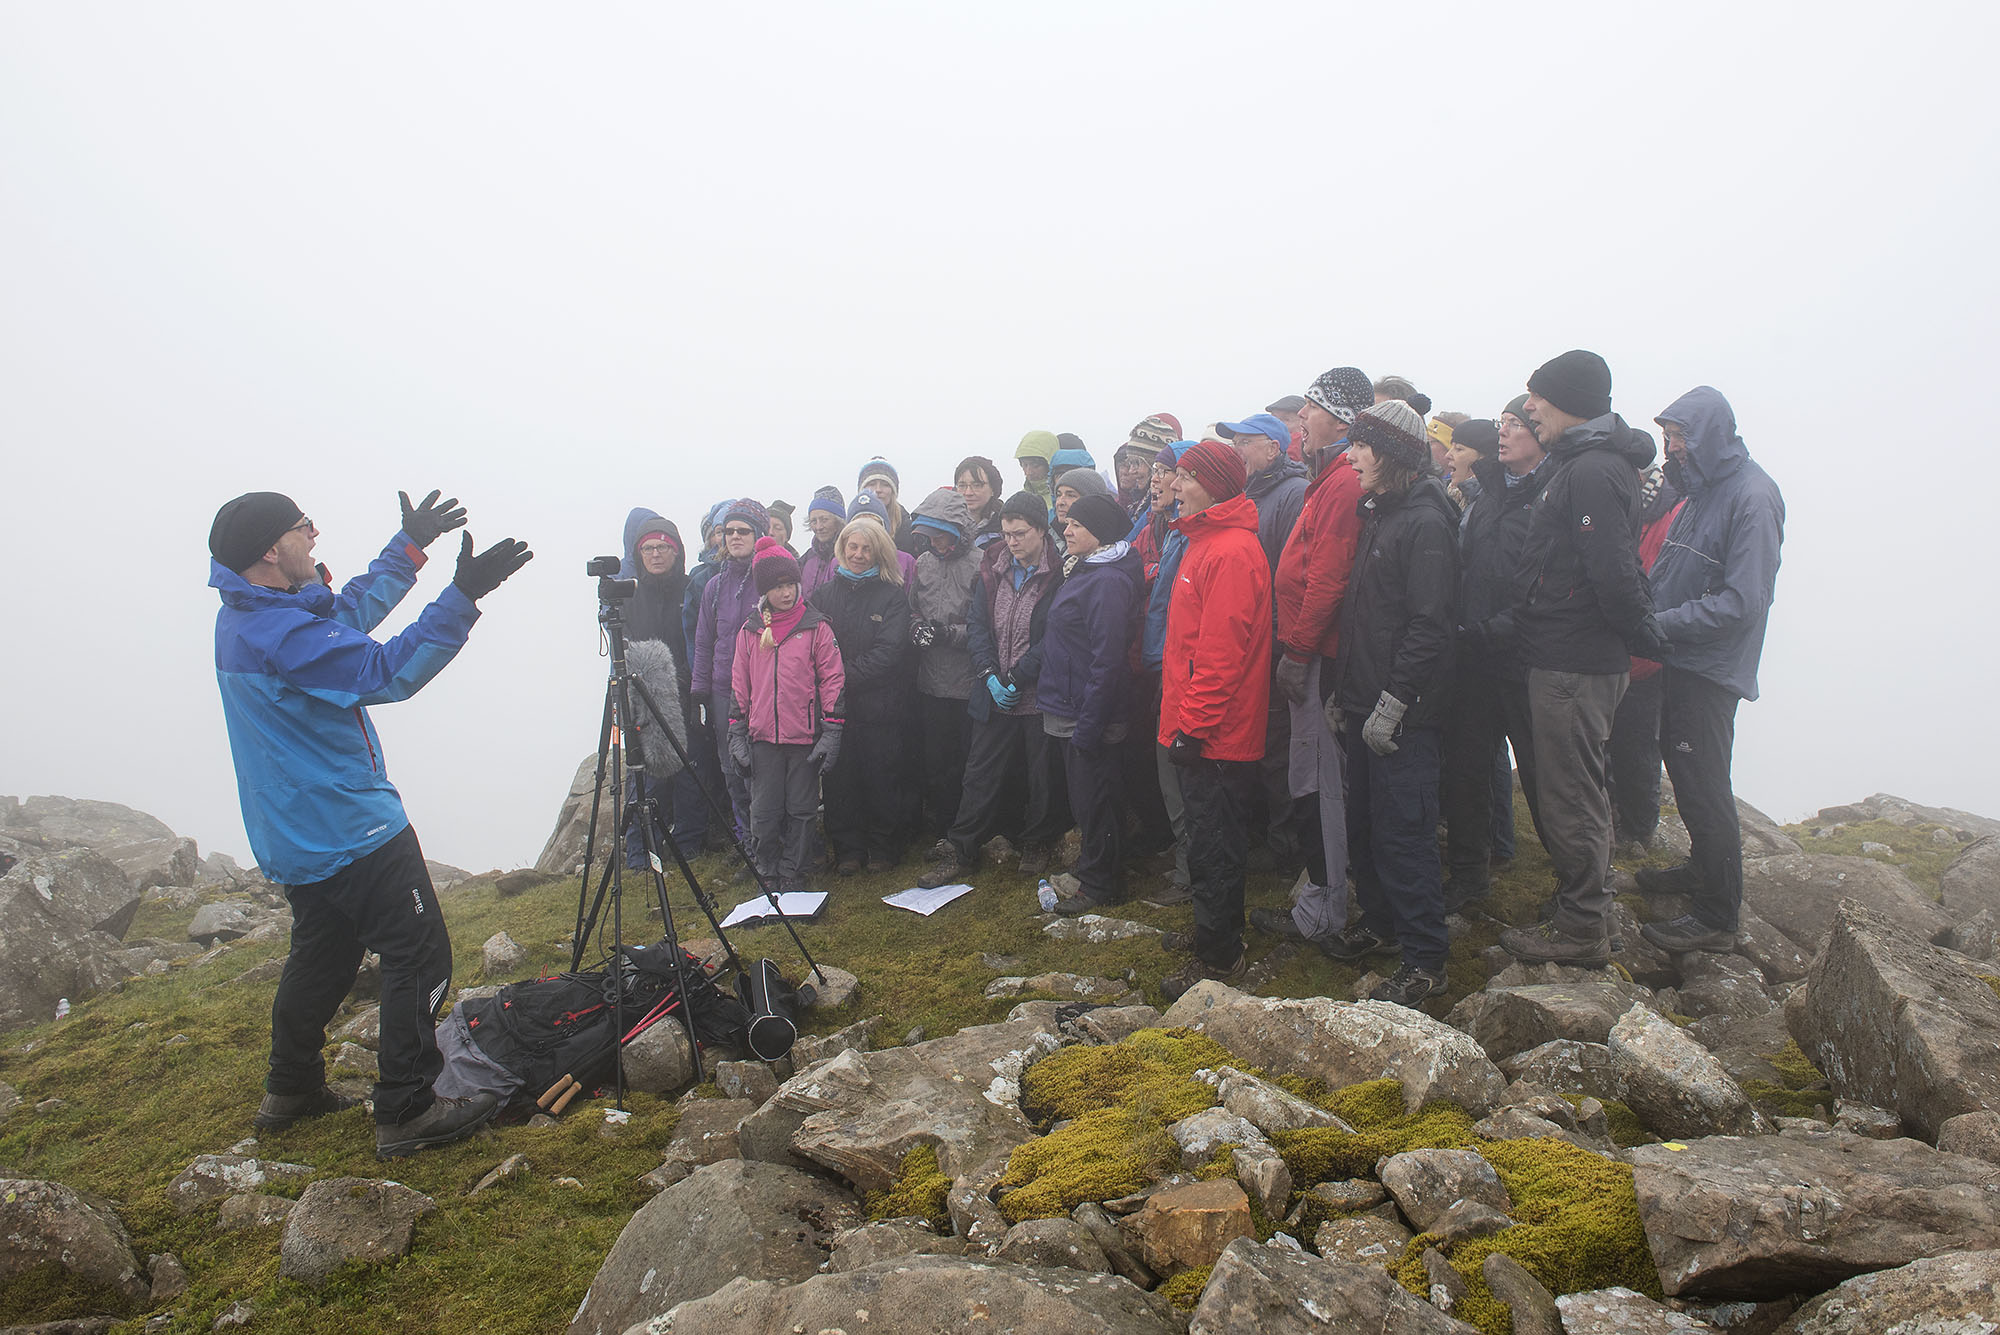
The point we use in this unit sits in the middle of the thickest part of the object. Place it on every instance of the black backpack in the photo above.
(563, 1024)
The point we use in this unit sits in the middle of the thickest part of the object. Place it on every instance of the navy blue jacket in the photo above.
(1716, 574)
(1086, 665)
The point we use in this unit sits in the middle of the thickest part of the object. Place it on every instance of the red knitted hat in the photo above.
(772, 564)
(1218, 468)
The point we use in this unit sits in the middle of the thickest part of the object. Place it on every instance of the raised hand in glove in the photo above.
(1003, 695)
(1185, 750)
(423, 523)
(1380, 729)
(739, 743)
(1292, 679)
(826, 751)
(479, 575)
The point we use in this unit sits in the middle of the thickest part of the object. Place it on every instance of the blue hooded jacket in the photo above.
(296, 670)
(1718, 570)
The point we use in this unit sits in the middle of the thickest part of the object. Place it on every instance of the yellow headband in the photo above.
(1441, 433)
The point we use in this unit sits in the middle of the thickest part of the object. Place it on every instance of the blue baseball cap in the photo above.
(1257, 424)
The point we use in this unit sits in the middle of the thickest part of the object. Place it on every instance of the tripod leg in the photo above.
(648, 833)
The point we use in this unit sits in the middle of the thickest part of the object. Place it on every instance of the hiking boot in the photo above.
(1276, 922)
(1681, 879)
(849, 865)
(1545, 943)
(1174, 985)
(1075, 906)
(1459, 894)
(1034, 859)
(1355, 943)
(445, 1121)
(1410, 986)
(880, 862)
(1173, 891)
(1177, 943)
(1688, 933)
(279, 1111)
(947, 868)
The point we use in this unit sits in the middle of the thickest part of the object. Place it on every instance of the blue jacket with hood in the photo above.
(296, 670)
(1716, 574)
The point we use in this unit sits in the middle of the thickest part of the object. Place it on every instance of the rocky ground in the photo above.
(994, 1126)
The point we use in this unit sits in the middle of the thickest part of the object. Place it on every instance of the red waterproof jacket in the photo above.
(1314, 566)
(1215, 674)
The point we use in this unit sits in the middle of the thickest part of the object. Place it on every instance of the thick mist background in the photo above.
(562, 260)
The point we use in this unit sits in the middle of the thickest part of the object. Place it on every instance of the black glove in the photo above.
(425, 522)
(1185, 750)
(1648, 642)
(479, 575)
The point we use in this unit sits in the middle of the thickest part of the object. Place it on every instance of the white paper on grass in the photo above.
(794, 904)
(926, 902)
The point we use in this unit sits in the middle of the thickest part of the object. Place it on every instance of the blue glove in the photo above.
(1004, 696)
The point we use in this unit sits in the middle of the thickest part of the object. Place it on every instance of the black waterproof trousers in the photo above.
(1392, 816)
(947, 740)
(383, 902)
(864, 793)
(1216, 795)
(1635, 760)
(1093, 778)
(1008, 751)
(1486, 712)
(1697, 737)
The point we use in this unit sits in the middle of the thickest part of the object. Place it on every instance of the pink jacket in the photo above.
(785, 693)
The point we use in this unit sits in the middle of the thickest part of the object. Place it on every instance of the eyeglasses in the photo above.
(303, 526)
(655, 548)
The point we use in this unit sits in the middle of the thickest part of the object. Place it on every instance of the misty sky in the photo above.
(562, 260)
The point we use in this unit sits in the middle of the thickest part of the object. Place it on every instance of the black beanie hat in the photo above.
(245, 528)
(1477, 434)
(1028, 508)
(1578, 382)
(1104, 517)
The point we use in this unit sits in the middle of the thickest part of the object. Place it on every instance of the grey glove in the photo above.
(739, 743)
(1380, 729)
(826, 751)
(1292, 679)
(1335, 720)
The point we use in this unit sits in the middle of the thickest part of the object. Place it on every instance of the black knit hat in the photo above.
(1104, 517)
(1477, 434)
(1578, 383)
(245, 528)
(1028, 508)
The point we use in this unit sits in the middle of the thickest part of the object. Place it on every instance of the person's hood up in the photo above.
(1714, 450)
(945, 506)
(642, 521)
(1038, 445)
(1608, 432)
(1063, 459)
(1267, 480)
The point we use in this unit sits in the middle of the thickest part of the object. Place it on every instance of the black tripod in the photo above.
(621, 753)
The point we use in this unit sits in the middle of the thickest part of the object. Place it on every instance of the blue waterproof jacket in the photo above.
(296, 670)
(1718, 570)
(1085, 672)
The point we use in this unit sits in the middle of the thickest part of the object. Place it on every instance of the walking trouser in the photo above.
(1503, 803)
(381, 902)
(691, 814)
(733, 777)
(1153, 829)
(947, 737)
(1093, 777)
(1635, 760)
(784, 793)
(1216, 795)
(1572, 720)
(1006, 748)
(1697, 736)
(1274, 777)
(1485, 712)
(1392, 815)
(864, 793)
(1320, 755)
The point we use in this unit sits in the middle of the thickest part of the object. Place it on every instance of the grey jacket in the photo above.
(1718, 570)
(941, 593)
(1279, 493)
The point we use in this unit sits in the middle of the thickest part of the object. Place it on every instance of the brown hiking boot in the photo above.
(947, 868)
(1034, 859)
(279, 1111)
(1176, 984)
(445, 1121)
(1545, 943)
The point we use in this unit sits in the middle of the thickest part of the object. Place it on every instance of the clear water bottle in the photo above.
(1047, 894)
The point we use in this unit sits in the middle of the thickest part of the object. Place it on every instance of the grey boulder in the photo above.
(1279, 1291)
(1798, 894)
(345, 1219)
(1622, 1311)
(1427, 1183)
(1957, 1294)
(1971, 884)
(46, 1222)
(1674, 1084)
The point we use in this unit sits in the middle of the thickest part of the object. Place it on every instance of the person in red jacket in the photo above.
(1311, 584)
(1214, 689)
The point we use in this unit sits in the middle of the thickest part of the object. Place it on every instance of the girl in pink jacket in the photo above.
(785, 719)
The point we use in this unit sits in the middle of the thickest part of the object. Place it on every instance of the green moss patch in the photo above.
(1794, 1067)
(1375, 1111)
(920, 1190)
(1184, 1289)
(1624, 1125)
(1911, 847)
(1576, 1228)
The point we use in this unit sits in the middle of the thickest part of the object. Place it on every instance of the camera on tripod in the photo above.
(610, 588)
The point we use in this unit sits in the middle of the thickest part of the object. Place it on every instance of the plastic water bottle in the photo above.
(1047, 894)
(62, 1008)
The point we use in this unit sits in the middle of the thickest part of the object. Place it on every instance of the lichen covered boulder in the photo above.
(1280, 1291)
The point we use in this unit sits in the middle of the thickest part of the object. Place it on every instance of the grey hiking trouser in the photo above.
(1571, 715)
(1319, 771)
(784, 797)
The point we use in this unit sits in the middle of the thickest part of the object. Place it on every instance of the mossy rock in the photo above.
(1576, 1228)
(1184, 1289)
(1381, 1127)
(1794, 1067)
(1779, 1101)
(920, 1190)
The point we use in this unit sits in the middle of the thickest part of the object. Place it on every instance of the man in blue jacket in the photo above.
(296, 668)
(1712, 590)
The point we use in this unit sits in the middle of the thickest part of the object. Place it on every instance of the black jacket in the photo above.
(1490, 539)
(1583, 604)
(871, 623)
(1396, 620)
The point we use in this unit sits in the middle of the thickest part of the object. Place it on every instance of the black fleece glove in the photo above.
(1185, 750)
(424, 523)
(479, 575)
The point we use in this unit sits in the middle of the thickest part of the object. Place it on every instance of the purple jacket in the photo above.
(726, 603)
(817, 569)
